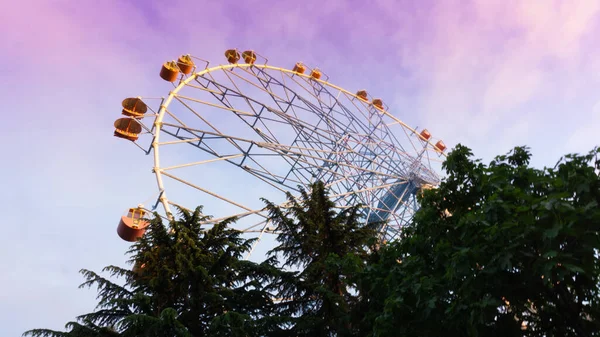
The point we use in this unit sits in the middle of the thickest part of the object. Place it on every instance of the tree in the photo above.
(497, 250)
(187, 281)
(324, 245)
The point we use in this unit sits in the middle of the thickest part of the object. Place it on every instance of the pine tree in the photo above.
(187, 281)
(324, 244)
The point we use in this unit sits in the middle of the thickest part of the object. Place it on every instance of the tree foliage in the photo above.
(497, 250)
(502, 249)
(326, 245)
(187, 281)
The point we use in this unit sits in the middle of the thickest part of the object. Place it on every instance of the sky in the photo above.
(489, 74)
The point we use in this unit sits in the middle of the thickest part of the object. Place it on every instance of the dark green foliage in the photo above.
(493, 247)
(325, 245)
(186, 281)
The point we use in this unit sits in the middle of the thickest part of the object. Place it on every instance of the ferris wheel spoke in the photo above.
(228, 92)
(311, 109)
(206, 191)
(272, 136)
(201, 141)
(220, 86)
(374, 188)
(390, 165)
(266, 82)
(270, 178)
(180, 141)
(304, 85)
(206, 137)
(180, 206)
(263, 87)
(211, 133)
(202, 162)
(264, 174)
(309, 106)
(203, 120)
(203, 88)
(215, 93)
(237, 215)
(392, 136)
(342, 106)
(320, 90)
(362, 107)
(262, 223)
(351, 182)
(256, 107)
(317, 111)
(287, 93)
(236, 111)
(338, 163)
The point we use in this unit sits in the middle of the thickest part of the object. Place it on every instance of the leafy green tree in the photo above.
(324, 245)
(187, 281)
(497, 250)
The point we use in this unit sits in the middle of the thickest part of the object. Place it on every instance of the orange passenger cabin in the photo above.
(440, 146)
(299, 68)
(362, 94)
(249, 56)
(134, 107)
(169, 71)
(185, 64)
(316, 74)
(425, 135)
(378, 103)
(127, 128)
(132, 226)
(232, 55)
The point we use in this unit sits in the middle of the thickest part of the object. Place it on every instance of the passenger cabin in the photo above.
(232, 55)
(440, 146)
(249, 56)
(362, 94)
(132, 226)
(185, 64)
(378, 103)
(169, 71)
(299, 68)
(127, 128)
(316, 74)
(134, 107)
(425, 135)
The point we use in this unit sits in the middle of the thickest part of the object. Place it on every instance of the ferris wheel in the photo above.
(228, 135)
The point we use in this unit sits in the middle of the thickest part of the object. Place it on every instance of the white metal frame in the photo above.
(350, 169)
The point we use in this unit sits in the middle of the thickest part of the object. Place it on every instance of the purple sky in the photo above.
(490, 74)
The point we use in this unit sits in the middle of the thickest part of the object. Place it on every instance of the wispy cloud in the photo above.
(483, 65)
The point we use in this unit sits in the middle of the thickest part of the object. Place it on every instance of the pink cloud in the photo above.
(484, 62)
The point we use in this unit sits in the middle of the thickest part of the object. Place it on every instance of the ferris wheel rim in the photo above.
(183, 82)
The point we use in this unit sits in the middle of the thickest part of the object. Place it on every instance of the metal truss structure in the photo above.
(228, 135)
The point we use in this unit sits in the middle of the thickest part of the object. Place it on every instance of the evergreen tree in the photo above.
(187, 281)
(324, 245)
